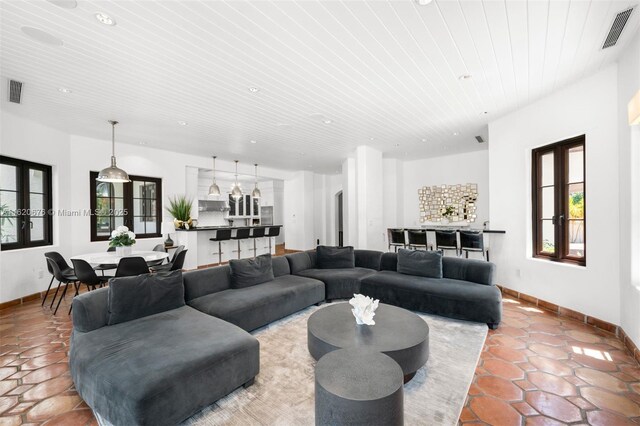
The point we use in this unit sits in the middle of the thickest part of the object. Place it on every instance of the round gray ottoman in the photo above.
(358, 387)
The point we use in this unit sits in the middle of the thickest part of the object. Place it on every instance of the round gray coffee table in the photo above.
(398, 333)
(357, 386)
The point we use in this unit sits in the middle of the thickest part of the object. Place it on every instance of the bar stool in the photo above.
(396, 238)
(446, 240)
(272, 231)
(221, 235)
(417, 239)
(472, 241)
(241, 234)
(257, 232)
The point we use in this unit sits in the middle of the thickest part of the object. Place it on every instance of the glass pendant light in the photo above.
(113, 173)
(214, 189)
(236, 191)
(256, 192)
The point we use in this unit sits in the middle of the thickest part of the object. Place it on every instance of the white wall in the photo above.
(24, 272)
(470, 167)
(369, 198)
(588, 107)
(299, 212)
(629, 157)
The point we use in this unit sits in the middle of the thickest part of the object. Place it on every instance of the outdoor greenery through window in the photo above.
(136, 204)
(559, 201)
(25, 204)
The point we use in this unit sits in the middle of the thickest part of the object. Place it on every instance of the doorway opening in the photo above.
(339, 224)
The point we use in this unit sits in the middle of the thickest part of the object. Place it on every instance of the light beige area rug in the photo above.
(283, 393)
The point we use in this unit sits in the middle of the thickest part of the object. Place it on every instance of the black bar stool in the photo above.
(417, 239)
(396, 238)
(257, 232)
(221, 235)
(241, 234)
(472, 241)
(272, 231)
(446, 240)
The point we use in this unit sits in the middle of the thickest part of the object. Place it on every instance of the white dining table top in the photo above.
(112, 258)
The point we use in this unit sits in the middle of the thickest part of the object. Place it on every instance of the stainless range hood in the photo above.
(213, 206)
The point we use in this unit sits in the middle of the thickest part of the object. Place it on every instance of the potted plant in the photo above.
(180, 209)
(447, 212)
(4, 211)
(122, 239)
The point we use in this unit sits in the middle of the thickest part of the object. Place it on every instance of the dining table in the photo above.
(110, 259)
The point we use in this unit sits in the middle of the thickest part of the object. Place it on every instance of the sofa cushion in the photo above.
(205, 281)
(143, 295)
(339, 283)
(280, 266)
(261, 304)
(249, 272)
(328, 257)
(445, 296)
(299, 262)
(163, 368)
(420, 263)
(368, 259)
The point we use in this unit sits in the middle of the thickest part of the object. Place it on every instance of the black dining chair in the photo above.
(105, 267)
(417, 239)
(179, 262)
(65, 269)
(168, 266)
(158, 248)
(132, 266)
(87, 275)
(62, 279)
(446, 240)
(472, 241)
(396, 238)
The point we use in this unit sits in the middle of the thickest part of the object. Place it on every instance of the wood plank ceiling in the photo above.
(331, 75)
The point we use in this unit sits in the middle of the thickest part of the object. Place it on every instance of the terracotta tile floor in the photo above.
(536, 369)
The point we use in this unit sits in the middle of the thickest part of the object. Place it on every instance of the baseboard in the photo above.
(29, 297)
(616, 330)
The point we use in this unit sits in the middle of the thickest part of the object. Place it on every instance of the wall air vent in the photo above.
(479, 139)
(15, 91)
(617, 27)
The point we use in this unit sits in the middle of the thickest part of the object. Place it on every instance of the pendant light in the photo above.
(236, 191)
(113, 174)
(256, 192)
(214, 189)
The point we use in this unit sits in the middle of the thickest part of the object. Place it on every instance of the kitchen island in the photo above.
(204, 252)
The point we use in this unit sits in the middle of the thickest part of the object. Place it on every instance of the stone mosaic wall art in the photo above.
(434, 200)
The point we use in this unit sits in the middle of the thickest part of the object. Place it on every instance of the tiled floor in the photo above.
(536, 369)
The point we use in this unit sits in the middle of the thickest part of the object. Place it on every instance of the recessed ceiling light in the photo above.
(465, 77)
(397, 145)
(371, 139)
(64, 90)
(424, 140)
(485, 113)
(142, 143)
(423, 2)
(103, 18)
(42, 36)
(182, 123)
(254, 89)
(66, 4)
(327, 121)
(455, 133)
(252, 141)
(300, 153)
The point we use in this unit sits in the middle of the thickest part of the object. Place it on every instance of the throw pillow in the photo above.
(143, 295)
(335, 257)
(249, 272)
(421, 263)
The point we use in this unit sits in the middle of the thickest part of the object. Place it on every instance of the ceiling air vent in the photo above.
(617, 27)
(15, 91)
(479, 139)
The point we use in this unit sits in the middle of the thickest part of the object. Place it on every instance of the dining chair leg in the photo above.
(54, 295)
(61, 297)
(47, 293)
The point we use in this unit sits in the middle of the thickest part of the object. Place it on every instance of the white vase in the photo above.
(123, 251)
(445, 220)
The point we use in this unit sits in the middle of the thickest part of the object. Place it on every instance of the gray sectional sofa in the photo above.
(156, 349)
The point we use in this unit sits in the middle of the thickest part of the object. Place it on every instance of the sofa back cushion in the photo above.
(389, 262)
(206, 281)
(249, 272)
(328, 257)
(299, 262)
(143, 295)
(420, 263)
(280, 266)
(91, 310)
(369, 259)
(473, 270)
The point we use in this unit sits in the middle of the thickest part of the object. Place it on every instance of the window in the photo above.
(25, 204)
(559, 201)
(136, 204)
